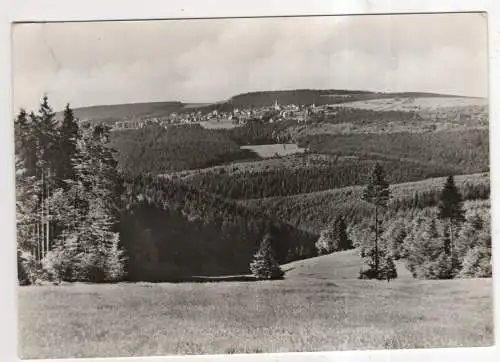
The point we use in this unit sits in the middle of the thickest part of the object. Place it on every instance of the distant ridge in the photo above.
(127, 111)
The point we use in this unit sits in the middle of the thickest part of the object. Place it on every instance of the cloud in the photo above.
(210, 60)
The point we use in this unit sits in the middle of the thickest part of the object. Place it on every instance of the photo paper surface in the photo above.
(252, 185)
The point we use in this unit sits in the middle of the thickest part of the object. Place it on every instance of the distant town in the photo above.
(237, 117)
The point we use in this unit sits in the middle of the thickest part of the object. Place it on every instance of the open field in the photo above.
(416, 104)
(218, 125)
(320, 305)
(267, 151)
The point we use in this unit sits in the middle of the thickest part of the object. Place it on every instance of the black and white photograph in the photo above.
(252, 185)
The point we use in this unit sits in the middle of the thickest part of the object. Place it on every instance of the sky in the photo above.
(94, 63)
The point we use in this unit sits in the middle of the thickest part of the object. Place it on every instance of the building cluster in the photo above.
(238, 116)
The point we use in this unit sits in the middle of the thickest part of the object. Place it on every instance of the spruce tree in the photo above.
(376, 193)
(477, 263)
(26, 145)
(387, 267)
(102, 257)
(67, 146)
(426, 258)
(264, 264)
(451, 210)
(48, 139)
(36, 150)
(325, 243)
(344, 243)
(334, 238)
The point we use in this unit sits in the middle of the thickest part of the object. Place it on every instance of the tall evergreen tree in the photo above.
(89, 249)
(68, 193)
(334, 238)
(264, 264)
(387, 269)
(48, 139)
(36, 149)
(25, 128)
(67, 146)
(341, 234)
(376, 193)
(451, 210)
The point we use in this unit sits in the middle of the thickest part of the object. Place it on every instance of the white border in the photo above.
(67, 10)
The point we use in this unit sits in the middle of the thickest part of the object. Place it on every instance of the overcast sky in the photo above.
(211, 60)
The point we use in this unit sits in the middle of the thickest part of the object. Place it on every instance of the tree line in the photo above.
(338, 115)
(82, 218)
(178, 231)
(440, 244)
(461, 152)
(156, 150)
(67, 189)
(318, 176)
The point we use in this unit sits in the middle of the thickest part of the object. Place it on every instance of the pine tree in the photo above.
(334, 238)
(100, 254)
(477, 263)
(451, 210)
(344, 243)
(326, 240)
(36, 151)
(48, 139)
(27, 222)
(67, 146)
(264, 264)
(376, 193)
(387, 267)
(426, 258)
(394, 236)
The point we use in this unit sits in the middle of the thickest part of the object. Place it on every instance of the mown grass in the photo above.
(317, 307)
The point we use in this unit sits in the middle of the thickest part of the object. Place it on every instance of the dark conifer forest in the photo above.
(178, 201)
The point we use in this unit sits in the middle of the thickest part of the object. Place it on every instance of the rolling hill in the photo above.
(170, 230)
(313, 211)
(116, 112)
(336, 266)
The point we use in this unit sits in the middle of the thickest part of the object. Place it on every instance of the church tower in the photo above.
(276, 105)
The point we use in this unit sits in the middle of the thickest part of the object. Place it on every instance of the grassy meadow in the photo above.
(416, 104)
(319, 306)
(273, 150)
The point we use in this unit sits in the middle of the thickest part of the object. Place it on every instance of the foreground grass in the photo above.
(313, 309)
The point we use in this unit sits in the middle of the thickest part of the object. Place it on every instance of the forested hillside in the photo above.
(158, 150)
(177, 201)
(464, 152)
(119, 112)
(312, 96)
(170, 230)
(313, 211)
(310, 173)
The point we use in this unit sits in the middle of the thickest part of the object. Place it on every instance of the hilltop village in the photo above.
(236, 117)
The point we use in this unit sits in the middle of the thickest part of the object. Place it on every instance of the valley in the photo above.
(198, 189)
